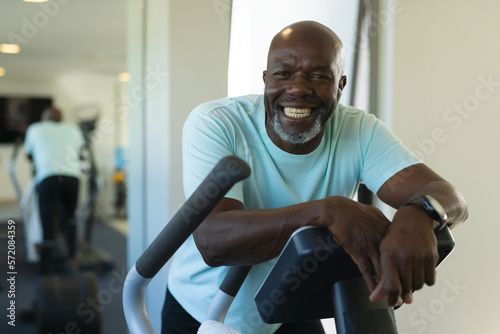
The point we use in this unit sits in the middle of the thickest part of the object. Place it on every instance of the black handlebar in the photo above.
(234, 279)
(223, 176)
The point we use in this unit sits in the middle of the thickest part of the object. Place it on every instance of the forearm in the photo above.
(230, 237)
(419, 180)
(449, 197)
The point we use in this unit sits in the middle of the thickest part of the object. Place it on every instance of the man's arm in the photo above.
(27, 145)
(418, 180)
(409, 249)
(402, 256)
(231, 235)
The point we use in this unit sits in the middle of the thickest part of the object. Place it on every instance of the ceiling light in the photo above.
(9, 48)
(124, 77)
(2, 71)
(35, 0)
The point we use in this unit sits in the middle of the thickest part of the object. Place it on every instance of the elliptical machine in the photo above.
(62, 295)
(331, 285)
(91, 257)
(28, 207)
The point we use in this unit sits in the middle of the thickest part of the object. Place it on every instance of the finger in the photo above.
(375, 266)
(391, 282)
(378, 293)
(370, 279)
(408, 298)
(393, 288)
(430, 275)
(406, 275)
(430, 270)
(418, 279)
(368, 272)
(398, 303)
(387, 287)
(375, 257)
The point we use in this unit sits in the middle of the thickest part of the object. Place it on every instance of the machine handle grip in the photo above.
(234, 279)
(12, 164)
(223, 176)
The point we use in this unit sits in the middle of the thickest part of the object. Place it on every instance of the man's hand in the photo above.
(359, 229)
(408, 257)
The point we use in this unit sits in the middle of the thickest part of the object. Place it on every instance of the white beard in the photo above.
(296, 138)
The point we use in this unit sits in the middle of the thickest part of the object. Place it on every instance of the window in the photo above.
(254, 23)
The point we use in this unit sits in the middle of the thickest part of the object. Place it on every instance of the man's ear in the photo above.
(264, 75)
(342, 82)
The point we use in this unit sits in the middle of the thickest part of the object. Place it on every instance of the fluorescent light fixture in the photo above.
(9, 48)
(124, 77)
(35, 0)
(2, 71)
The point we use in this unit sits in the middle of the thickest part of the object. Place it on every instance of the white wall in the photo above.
(445, 53)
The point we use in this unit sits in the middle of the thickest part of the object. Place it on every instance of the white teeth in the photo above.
(297, 113)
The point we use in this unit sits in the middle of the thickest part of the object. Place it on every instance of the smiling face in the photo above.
(303, 83)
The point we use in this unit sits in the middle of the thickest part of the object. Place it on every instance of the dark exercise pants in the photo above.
(57, 201)
(175, 320)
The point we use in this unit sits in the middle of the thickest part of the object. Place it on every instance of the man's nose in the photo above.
(299, 86)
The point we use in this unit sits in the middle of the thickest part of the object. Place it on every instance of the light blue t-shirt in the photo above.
(356, 147)
(55, 147)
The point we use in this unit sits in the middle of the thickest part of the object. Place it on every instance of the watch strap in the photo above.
(437, 223)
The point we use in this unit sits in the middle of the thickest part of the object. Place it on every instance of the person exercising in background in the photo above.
(54, 147)
(308, 154)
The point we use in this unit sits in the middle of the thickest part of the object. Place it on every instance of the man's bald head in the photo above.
(311, 31)
(51, 114)
(304, 76)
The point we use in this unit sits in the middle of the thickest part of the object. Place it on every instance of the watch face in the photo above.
(434, 208)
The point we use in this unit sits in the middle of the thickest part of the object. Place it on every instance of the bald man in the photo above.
(54, 147)
(308, 155)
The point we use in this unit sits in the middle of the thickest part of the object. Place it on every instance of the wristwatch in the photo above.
(433, 208)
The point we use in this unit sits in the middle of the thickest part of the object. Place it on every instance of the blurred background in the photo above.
(70, 54)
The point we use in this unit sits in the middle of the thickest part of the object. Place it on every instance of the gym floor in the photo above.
(109, 237)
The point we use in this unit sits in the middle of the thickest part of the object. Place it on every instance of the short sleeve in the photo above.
(384, 154)
(206, 138)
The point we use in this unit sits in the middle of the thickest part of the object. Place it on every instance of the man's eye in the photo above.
(280, 74)
(321, 77)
